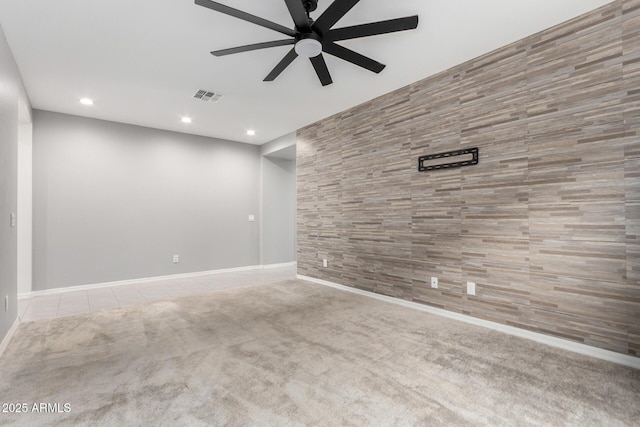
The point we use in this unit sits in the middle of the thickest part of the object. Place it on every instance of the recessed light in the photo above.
(86, 101)
(251, 132)
(186, 120)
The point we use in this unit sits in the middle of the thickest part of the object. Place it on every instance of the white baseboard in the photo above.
(149, 279)
(5, 341)
(587, 350)
(281, 265)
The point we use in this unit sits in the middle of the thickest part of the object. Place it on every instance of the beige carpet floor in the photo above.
(297, 353)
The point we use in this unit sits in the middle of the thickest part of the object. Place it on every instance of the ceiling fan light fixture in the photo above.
(308, 48)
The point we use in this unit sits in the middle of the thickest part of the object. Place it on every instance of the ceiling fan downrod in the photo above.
(310, 5)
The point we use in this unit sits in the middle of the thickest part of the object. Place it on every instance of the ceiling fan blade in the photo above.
(353, 57)
(321, 70)
(251, 47)
(299, 15)
(288, 59)
(245, 16)
(332, 14)
(373, 29)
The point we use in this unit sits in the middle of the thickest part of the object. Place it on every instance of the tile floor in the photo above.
(74, 302)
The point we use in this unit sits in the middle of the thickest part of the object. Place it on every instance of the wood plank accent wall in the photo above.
(547, 224)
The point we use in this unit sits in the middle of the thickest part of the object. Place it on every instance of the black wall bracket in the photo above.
(443, 160)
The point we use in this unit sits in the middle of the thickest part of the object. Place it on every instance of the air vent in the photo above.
(208, 96)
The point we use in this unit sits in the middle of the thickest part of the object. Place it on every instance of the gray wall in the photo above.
(279, 144)
(278, 210)
(115, 202)
(25, 206)
(278, 220)
(12, 98)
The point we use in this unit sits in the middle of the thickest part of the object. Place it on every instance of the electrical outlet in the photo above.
(471, 288)
(434, 282)
(325, 263)
(12, 221)
(176, 259)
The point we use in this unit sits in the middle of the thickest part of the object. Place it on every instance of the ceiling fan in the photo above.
(310, 38)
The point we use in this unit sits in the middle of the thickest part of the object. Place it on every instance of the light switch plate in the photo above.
(252, 218)
(13, 219)
(471, 288)
(176, 259)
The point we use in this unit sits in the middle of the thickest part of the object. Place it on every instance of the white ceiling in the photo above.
(142, 60)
